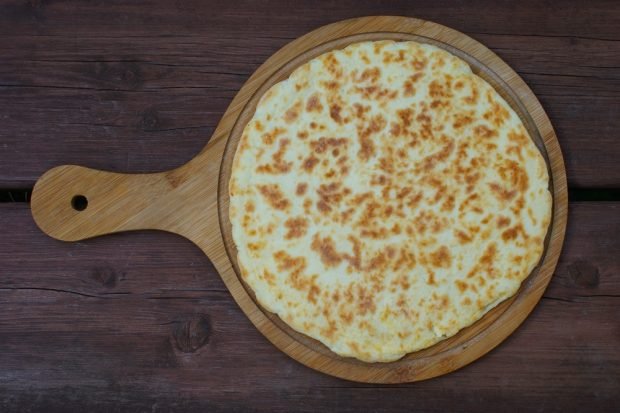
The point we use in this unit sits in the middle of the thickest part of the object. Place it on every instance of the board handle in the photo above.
(72, 203)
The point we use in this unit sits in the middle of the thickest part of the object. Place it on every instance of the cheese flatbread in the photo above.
(383, 197)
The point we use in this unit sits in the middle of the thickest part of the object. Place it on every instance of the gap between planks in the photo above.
(574, 194)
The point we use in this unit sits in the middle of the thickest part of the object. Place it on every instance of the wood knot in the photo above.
(36, 4)
(150, 120)
(105, 276)
(192, 334)
(584, 274)
(117, 76)
(403, 373)
(175, 178)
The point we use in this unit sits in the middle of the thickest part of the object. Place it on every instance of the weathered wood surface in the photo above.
(138, 87)
(142, 321)
(184, 202)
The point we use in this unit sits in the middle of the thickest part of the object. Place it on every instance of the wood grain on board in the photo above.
(142, 321)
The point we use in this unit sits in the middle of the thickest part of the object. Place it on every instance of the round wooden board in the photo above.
(193, 201)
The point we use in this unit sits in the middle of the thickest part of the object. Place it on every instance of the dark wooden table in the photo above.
(142, 322)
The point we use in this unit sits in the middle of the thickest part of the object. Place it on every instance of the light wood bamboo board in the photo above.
(192, 201)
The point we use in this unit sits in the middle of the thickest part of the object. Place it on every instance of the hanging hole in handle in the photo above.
(79, 202)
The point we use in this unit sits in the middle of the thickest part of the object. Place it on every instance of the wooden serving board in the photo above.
(72, 203)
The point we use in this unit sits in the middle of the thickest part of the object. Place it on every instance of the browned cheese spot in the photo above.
(516, 150)
(462, 285)
(437, 89)
(314, 104)
(256, 246)
(292, 113)
(511, 172)
(310, 163)
(439, 62)
(302, 134)
(475, 94)
(323, 144)
(307, 204)
(440, 104)
(274, 196)
(342, 164)
(354, 260)
(463, 237)
(360, 111)
(367, 146)
(448, 204)
(329, 195)
(334, 112)
(498, 115)
(269, 277)
(370, 74)
(440, 156)
(405, 116)
(313, 291)
(442, 302)
(489, 255)
(296, 227)
(326, 249)
(518, 138)
(405, 260)
(332, 86)
(419, 63)
(409, 88)
(395, 129)
(502, 193)
(502, 222)
(484, 132)
(426, 130)
(512, 233)
(269, 138)
(378, 46)
(279, 166)
(333, 65)
(441, 258)
(465, 204)
(365, 300)
(346, 316)
(293, 265)
(301, 189)
(461, 120)
(323, 206)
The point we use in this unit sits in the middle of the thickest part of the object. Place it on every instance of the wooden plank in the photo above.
(142, 321)
(138, 88)
(125, 19)
(184, 202)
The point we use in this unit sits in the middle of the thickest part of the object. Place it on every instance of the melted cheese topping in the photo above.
(383, 197)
